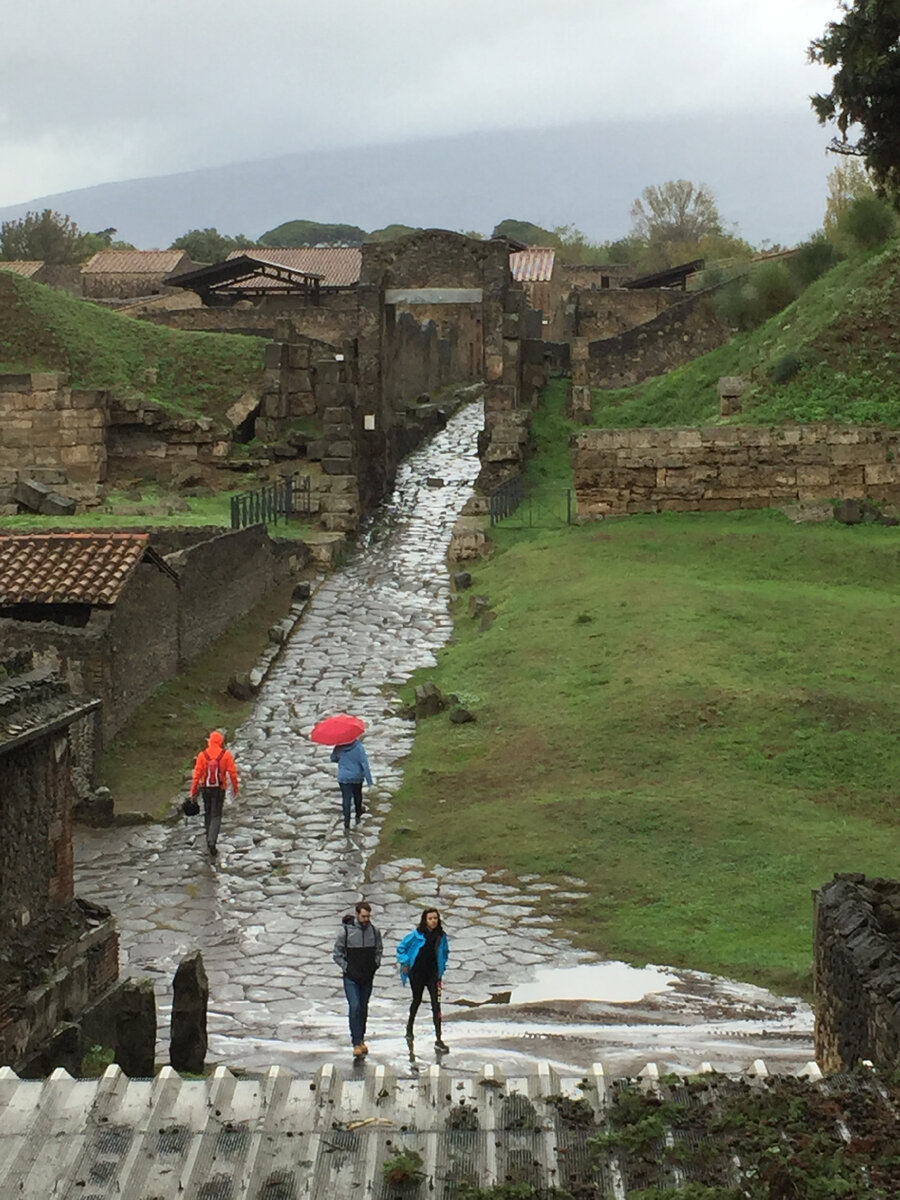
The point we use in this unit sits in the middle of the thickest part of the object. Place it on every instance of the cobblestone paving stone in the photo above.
(265, 912)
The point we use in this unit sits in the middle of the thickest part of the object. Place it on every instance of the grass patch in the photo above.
(147, 763)
(692, 712)
(45, 329)
(843, 334)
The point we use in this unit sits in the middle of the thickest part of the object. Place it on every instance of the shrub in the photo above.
(867, 222)
(813, 258)
(786, 368)
(749, 301)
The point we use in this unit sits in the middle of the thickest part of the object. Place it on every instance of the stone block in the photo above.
(297, 381)
(188, 1042)
(31, 494)
(298, 356)
(339, 522)
(274, 356)
(340, 449)
(135, 1025)
(335, 415)
(56, 505)
(336, 466)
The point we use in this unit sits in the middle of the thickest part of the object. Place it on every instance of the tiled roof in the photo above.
(330, 1136)
(534, 265)
(134, 262)
(33, 702)
(23, 266)
(68, 568)
(338, 266)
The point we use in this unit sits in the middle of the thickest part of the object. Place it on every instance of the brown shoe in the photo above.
(365, 1048)
(359, 1051)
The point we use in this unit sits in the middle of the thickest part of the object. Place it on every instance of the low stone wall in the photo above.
(48, 425)
(857, 972)
(331, 323)
(147, 440)
(717, 468)
(678, 335)
(604, 313)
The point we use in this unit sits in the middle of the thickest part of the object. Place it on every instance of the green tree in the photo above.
(865, 50)
(47, 235)
(391, 232)
(672, 219)
(867, 222)
(847, 182)
(525, 231)
(210, 246)
(90, 243)
(313, 233)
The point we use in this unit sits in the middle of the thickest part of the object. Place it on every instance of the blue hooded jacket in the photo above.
(353, 763)
(410, 947)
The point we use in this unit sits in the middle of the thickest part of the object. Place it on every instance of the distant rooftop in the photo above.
(534, 265)
(134, 262)
(22, 266)
(337, 266)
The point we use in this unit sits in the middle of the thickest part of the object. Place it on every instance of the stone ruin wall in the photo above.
(332, 322)
(680, 333)
(46, 426)
(123, 654)
(857, 972)
(597, 314)
(719, 468)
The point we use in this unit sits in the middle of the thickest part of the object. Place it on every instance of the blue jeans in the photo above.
(351, 797)
(358, 1001)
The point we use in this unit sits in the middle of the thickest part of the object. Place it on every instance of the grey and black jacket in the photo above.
(357, 950)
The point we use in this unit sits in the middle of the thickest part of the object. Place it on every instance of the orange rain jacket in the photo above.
(227, 769)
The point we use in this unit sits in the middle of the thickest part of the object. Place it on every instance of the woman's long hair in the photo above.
(422, 927)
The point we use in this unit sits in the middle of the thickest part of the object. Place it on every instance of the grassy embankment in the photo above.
(697, 714)
(42, 329)
(841, 336)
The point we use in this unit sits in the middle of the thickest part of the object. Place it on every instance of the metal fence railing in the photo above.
(279, 500)
(516, 504)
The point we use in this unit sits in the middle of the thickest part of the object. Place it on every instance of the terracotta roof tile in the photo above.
(339, 266)
(134, 262)
(534, 265)
(67, 568)
(23, 266)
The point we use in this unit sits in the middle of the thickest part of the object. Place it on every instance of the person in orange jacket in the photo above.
(212, 770)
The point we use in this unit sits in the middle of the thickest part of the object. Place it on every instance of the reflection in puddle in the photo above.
(611, 982)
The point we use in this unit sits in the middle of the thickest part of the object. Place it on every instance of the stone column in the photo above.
(136, 1029)
(188, 1042)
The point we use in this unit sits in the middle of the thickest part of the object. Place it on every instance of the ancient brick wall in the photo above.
(331, 322)
(599, 314)
(717, 468)
(147, 440)
(46, 424)
(36, 866)
(141, 648)
(677, 335)
(857, 972)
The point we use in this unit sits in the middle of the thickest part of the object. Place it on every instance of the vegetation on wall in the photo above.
(45, 329)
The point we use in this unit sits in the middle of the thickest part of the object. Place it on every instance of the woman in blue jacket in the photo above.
(353, 768)
(422, 956)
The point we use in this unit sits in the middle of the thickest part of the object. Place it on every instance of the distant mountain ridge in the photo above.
(767, 171)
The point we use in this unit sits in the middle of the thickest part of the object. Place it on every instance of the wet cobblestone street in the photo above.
(266, 911)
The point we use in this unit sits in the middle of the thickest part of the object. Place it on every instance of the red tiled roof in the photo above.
(134, 262)
(339, 266)
(534, 265)
(23, 266)
(68, 568)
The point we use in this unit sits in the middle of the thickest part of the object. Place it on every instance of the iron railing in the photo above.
(520, 505)
(266, 505)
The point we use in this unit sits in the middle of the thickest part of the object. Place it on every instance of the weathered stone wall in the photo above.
(45, 424)
(97, 285)
(727, 467)
(145, 439)
(677, 335)
(122, 655)
(593, 275)
(598, 314)
(857, 972)
(331, 322)
(36, 865)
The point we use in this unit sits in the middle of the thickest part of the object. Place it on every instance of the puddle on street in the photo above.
(608, 982)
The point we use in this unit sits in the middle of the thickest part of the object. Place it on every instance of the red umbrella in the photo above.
(338, 730)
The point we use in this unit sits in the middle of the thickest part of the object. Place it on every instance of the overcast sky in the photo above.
(99, 90)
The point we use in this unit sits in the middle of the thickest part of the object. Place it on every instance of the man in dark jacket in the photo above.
(357, 951)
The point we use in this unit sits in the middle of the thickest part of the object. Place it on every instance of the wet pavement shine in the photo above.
(266, 911)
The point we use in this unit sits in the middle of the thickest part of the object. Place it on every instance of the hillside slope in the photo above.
(43, 329)
(837, 347)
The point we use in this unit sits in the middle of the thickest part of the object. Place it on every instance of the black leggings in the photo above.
(418, 986)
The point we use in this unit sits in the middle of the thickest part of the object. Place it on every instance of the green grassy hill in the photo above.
(839, 342)
(44, 329)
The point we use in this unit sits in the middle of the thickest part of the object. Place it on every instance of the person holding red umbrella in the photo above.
(343, 732)
(353, 767)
